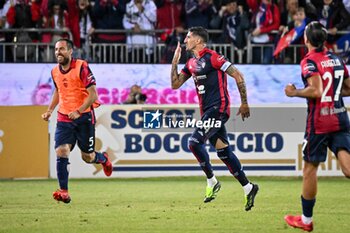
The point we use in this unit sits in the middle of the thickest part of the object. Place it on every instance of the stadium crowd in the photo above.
(147, 22)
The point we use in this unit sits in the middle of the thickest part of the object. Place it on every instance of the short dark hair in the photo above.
(316, 34)
(201, 32)
(70, 44)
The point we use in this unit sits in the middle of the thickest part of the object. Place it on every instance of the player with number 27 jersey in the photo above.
(328, 113)
(326, 80)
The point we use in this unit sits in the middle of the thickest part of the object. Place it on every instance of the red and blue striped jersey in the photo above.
(208, 72)
(327, 113)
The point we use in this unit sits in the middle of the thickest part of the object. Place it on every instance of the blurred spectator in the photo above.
(265, 20)
(170, 46)
(57, 18)
(6, 37)
(242, 3)
(136, 96)
(199, 12)
(299, 22)
(140, 15)
(288, 13)
(44, 7)
(253, 5)
(109, 15)
(24, 14)
(82, 25)
(333, 15)
(233, 21)
(170, 17)
(310, 9)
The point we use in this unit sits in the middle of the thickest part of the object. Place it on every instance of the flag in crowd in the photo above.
(289, 38)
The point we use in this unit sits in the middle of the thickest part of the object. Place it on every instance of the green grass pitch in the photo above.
(167, 205)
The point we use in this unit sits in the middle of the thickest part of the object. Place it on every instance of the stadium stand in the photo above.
(112, 48)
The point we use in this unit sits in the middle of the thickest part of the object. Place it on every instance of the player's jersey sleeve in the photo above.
(219, 62)
(309, 68)
(186, 71)
(87, 76)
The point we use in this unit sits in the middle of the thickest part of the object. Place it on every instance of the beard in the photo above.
(188, 49)
(191, 49)
(64, 62)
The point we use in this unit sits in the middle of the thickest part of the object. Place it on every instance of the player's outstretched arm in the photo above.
(52, 106)
(238, 76)
(177, 79)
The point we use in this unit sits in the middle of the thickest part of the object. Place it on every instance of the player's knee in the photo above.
(88, 158)
(220, 145)
(307, 173)
(310, 170)
(346, 172)
(62, 151)
(344, 161)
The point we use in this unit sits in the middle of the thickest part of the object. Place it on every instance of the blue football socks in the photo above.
(308, 206)
(62, 172)
(202, 156)
(233, 164)
(99, 158)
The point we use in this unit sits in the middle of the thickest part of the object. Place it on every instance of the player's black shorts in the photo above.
(212, 133)
(81, 130)
(315, 145)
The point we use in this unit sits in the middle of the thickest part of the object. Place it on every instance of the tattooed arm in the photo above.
(177, 79)
(238, 76)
